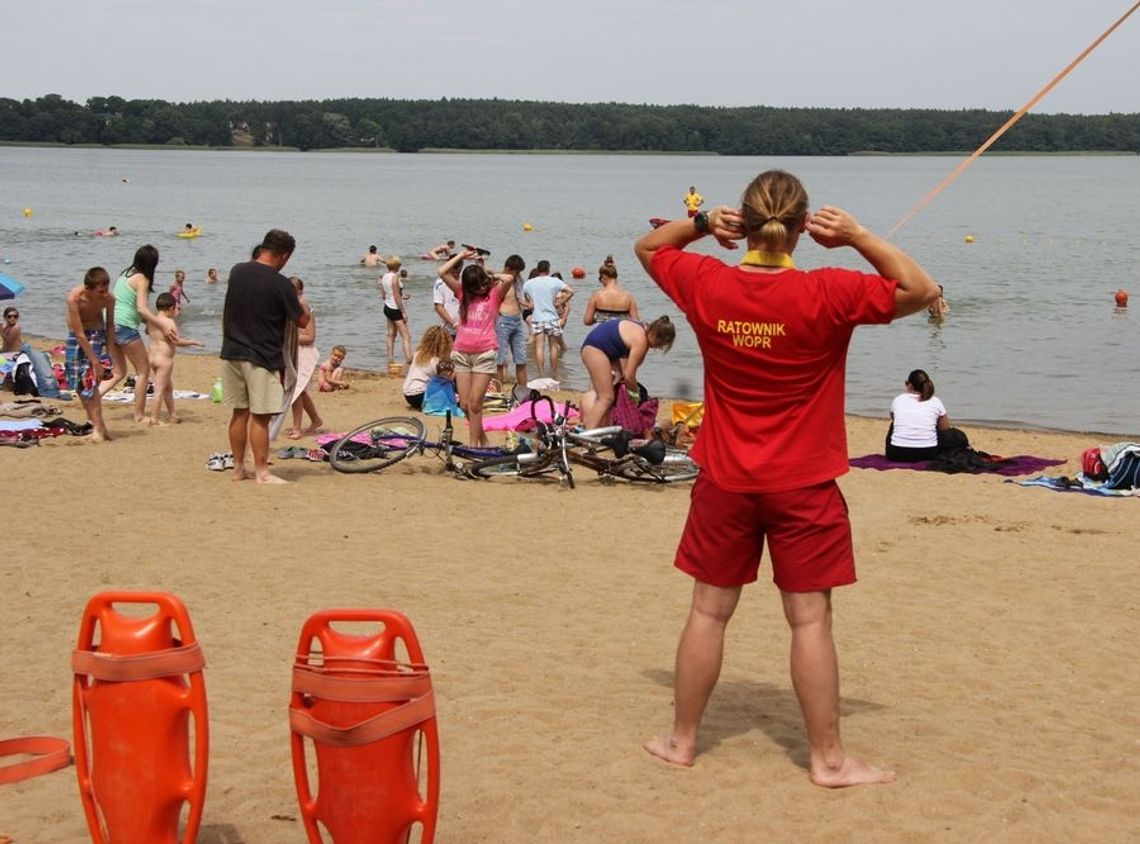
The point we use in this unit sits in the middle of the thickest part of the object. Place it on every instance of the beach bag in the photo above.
(1092, 467)
(952, 438)
(639, 418)
(440, 397)
(1126, 473)
(23, 377)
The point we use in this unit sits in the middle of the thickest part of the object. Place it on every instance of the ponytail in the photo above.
(920, 382)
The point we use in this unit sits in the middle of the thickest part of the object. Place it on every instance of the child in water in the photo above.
(160, 355)
(332, 371)
(178, 291)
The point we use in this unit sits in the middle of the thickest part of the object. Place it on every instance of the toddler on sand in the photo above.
(332, 371)
(161, 357)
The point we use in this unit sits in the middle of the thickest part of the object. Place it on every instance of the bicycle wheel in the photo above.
(377, 444)
(510, 466)
(676, 468)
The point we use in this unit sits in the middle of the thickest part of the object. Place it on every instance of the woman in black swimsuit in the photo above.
(611, 302)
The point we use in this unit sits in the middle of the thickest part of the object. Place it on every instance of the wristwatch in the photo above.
(701, 222)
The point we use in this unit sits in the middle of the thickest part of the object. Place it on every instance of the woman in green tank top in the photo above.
(132, 312)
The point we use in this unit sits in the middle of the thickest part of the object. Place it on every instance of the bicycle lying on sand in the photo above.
(384, 442)
(558, 445)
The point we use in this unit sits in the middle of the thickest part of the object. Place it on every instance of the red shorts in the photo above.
(809, 537)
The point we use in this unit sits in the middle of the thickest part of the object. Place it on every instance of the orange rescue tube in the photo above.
(138, 682)
(371, 719)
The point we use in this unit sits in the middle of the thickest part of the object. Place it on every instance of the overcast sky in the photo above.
(951, 54)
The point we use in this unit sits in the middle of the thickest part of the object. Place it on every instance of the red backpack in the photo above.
(1092, 467)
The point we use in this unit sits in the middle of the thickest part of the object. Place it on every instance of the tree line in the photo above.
(464, 124)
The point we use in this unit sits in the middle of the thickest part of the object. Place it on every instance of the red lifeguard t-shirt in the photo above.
(775, 355)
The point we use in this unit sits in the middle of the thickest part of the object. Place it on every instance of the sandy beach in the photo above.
(987, 652)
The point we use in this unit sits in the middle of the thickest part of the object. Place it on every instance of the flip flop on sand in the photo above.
(291, 452)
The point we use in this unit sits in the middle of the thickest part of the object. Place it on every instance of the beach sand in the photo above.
(987, 652)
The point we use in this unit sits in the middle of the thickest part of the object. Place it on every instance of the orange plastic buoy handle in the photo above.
(51, 755)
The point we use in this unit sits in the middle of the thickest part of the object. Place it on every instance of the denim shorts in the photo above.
(124, 335)
(511, 336)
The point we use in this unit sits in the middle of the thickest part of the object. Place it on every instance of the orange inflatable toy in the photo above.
(138, 683)
(371, 719)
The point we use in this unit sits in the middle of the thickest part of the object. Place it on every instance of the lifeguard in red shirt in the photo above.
(774, 341)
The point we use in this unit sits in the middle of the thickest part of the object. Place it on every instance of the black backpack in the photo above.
(23, 384)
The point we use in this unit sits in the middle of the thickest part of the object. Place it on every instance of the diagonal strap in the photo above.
(380, 726)
(51, 755)
(170, 662)
(363, 688)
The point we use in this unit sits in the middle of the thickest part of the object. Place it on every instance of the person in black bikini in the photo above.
(611, 302)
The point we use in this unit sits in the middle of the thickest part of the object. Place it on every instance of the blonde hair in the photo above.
(774, 204)
(393, 263)
(435, 343)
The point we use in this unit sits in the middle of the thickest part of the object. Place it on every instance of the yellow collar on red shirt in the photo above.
(757, 258)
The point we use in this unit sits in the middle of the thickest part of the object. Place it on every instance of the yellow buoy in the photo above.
(27, 212)
(527, 227)
(969, 238)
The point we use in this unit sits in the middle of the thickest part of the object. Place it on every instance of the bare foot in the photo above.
(670, 751)
(270, 478)
(96, 437)
(852, 772)
(175, 420)
(294, 434)
(317, 427)
(239, 472)
(140, 418)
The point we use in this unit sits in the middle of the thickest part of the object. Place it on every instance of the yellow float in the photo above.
(527, 227)
(27, 212)
(191, 233)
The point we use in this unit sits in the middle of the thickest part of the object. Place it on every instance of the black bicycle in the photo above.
(558, 445)
(384, 442)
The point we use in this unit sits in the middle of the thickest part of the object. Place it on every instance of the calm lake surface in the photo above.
(1033, 338)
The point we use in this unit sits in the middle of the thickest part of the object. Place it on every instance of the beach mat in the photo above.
(1021, 464)
(1078, 484)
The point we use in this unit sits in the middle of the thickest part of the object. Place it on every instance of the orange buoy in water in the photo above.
(1122, 298)
(578, 272)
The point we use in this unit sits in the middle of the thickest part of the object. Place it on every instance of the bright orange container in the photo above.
(138, 688)
(370, 717)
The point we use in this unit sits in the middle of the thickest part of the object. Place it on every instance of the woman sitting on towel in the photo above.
(918, 422)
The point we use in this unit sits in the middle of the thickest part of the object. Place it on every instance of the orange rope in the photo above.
(926, 200)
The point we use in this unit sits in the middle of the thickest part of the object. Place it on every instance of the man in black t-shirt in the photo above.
(260, 303)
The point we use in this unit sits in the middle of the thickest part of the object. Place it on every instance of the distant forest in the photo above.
(415, 125)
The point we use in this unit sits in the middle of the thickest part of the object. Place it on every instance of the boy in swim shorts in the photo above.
(90, 322)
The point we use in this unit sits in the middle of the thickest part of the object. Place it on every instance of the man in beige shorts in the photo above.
(260, 303)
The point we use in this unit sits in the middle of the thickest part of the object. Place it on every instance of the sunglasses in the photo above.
(11, 316)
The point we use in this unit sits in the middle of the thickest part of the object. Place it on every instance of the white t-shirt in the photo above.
(418, 376)
(389, 284)
(441, 295)
(916, 422)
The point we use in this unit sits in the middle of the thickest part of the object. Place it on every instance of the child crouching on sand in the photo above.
(161, 357)
(332, 371)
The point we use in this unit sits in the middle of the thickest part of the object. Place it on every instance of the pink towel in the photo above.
(522, 417)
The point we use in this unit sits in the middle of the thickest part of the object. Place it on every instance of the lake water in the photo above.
(1033, 338)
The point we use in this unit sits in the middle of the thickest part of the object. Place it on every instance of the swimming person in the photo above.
(774, 342)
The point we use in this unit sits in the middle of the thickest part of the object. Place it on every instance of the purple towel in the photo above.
(1021, 464)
